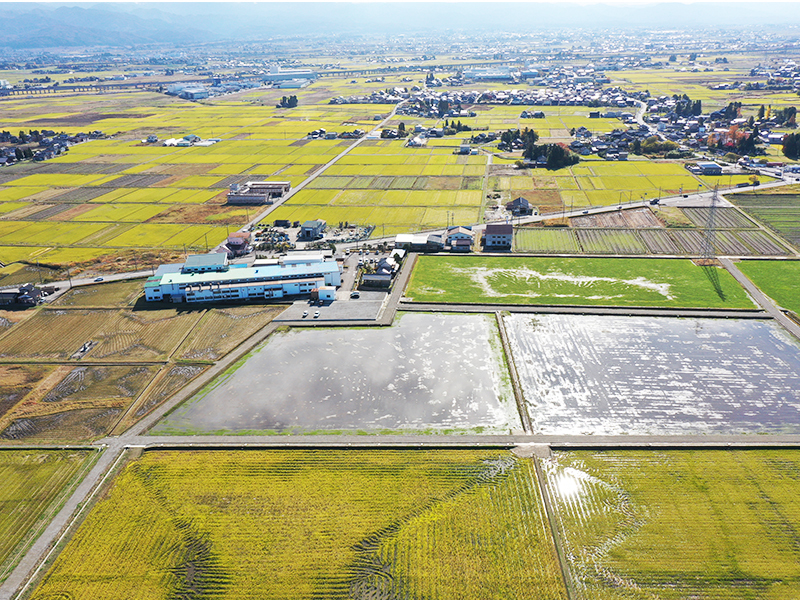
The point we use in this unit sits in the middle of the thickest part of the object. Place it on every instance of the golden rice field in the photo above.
(661, 525)
(33, 483)
(314, 524)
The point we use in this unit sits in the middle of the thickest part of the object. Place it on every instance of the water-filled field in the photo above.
(325, 523)
(608, 375)
(426, 372)
(669, 525)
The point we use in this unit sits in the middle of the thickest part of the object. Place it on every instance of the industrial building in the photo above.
(276, 74)
(257, 192)
(210, 278)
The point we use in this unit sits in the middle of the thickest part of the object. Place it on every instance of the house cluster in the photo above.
(454, 239)
(25, 295)
(615, 145)
(211, 278)
(39, 145)
(322, 134)
(391, 96)
(385, 269)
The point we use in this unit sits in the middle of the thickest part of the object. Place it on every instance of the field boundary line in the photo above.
(512, 370)
(544, 490)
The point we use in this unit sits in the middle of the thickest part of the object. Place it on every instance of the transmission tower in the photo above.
(711, 231)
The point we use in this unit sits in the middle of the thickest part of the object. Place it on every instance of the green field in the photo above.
(33, 484)
(663, 525)
(778, 279)
(326, 523)
(595, 281)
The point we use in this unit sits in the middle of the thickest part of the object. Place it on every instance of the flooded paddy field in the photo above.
(427, 372)
(608, 375)
(682, 524)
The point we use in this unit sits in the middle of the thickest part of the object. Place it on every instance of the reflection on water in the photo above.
(608, 375)
(425, 372)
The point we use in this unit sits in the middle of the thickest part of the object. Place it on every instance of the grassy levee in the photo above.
(33, 481)
(663, 525)
(574, 281)
(778, 279)
(314, 524)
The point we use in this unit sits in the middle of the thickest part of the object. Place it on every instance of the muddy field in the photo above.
(427, 372)
(602, 375)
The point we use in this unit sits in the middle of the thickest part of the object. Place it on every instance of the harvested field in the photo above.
(659, 242)
(222, 329)
(762, 243)
(51, 409)
(17, 381)
(610, 241)
(690, 242)
(331, 524)
(115, 293)
(85, 424)
(629, 219)
(725, 218)
(780, 212)
(33, 484)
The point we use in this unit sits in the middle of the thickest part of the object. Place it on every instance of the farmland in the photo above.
(596, 281)
(628, 375)
(387, 380)
(33, 483)
(679, 524)
(144, 355)
(779, 211)
(777, 279)
(314, 523)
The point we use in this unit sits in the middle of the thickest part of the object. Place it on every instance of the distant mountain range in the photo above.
(41, 25)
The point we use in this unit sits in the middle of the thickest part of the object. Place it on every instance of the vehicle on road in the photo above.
(98, 279)
(316, 314)
(586, 212)
(305, 314)
(355, 294)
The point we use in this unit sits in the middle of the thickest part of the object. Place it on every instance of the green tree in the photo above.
(790, 149)
(672, 58)
(761, 112)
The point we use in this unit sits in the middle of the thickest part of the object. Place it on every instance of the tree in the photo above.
(292, 101)
(761, 112)
(637, 146)
(18, 154)
(401, 130)
(790, 149)
(672, 58)
(693, 57)
(443, 107)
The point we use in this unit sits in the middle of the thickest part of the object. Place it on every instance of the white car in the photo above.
(305, 314)
(316, 314)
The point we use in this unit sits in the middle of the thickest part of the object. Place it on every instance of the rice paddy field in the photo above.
(401, 379)
(579, 281)
(326, 523)
(624, 375)
(34, 481)
(701, 524)
(138, 358)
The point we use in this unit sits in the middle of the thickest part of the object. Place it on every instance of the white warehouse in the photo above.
(231, 282)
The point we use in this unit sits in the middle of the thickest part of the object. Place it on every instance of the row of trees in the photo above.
(557, 156)
(686, 107)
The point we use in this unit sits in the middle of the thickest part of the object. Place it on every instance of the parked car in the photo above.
(355, 294)
(305, 314)
(316, 314)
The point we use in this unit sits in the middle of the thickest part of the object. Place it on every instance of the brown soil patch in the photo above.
(73, 212)
(88, 118)
(199, 213)
(507, 170)
(545, 200)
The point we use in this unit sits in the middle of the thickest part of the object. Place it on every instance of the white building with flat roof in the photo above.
(243, 283)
